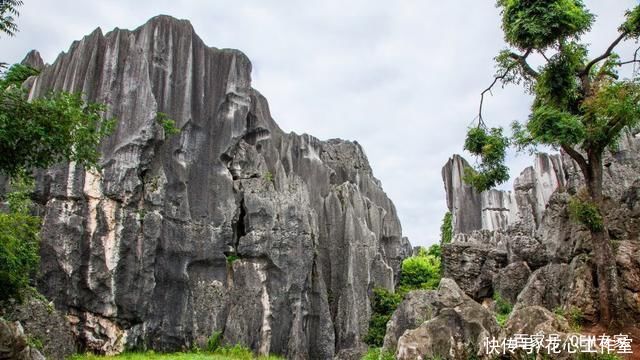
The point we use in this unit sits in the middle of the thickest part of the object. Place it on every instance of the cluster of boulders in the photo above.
(522, 247)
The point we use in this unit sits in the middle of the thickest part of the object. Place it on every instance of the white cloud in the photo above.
(402, 78)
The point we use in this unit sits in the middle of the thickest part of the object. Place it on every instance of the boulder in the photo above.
(14, 345)
(472, 267)
(419, 306)
(455, 333)
(510, 280)
(547, 287)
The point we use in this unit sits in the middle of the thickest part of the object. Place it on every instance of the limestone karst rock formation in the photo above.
(524, 244)
(232, 225)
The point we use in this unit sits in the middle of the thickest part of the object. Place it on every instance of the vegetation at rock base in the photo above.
(574, 316)
(503, 309)
(19, 241)
(383, 305)
(422, 271)
(581, 105)
(378, 354)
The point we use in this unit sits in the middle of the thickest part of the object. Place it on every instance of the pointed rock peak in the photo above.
(167, 21)
(34, 60)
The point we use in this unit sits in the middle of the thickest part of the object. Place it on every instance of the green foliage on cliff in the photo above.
(19, 241)
(586, 213)
(421, 271)
(48, 130)
(446, 229)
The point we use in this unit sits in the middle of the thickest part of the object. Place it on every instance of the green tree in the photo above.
(581, 106)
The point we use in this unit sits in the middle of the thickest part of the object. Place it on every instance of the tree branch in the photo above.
(577, 157)
(606, 54)
(521, 59)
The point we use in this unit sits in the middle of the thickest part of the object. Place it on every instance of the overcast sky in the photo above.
(400, 77)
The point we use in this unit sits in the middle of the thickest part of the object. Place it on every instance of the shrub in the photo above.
(214, 341)
(168, 124)
(383, 306)
(503, 309)
(420, 272)
(378, 354)
(19, 242)
(586, 213)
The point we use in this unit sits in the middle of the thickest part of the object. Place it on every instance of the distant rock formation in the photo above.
(523, 244)
(274, 239)
(496, 209)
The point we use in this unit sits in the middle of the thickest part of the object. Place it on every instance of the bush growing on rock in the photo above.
(503, 309)
(422, 271)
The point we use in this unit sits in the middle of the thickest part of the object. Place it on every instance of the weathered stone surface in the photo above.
(14, 344)
(419, 306)
(510, 280)
(34, 60)
(546, 287)
(146, 247)
(533, 320)
(472, 267)
(628, 260)
(457, 329)
(463, 201)
(438, 322)
(494, 209)
(42, 323)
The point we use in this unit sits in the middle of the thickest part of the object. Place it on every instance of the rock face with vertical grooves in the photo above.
(274, 239)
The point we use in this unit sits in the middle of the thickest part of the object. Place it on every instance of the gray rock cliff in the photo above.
(232, 225)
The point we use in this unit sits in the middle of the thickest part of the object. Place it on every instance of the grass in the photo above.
(378, 354)
(225, 353)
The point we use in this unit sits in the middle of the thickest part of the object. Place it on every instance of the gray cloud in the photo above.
(402, 78)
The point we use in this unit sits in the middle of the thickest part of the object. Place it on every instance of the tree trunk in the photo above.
(606, 269)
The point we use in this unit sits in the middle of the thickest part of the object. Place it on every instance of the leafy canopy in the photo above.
(539, 24)
(8, 14)
(48, 130)
(580, 105)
